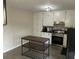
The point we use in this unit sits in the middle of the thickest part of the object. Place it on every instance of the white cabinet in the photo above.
(48, 19)
(70, 18)
(59, 16)
(65, 40)
(37, 24)
(47, 35)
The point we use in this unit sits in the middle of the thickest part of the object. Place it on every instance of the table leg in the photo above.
(43, 55)
(21, 47)
(43, 51)
(48, 47)
(29, 45)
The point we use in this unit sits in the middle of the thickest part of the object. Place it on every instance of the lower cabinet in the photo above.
(47, 35)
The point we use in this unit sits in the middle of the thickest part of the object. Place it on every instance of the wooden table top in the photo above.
(35, 38)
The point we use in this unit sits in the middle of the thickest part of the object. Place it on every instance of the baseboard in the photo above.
(11, 48)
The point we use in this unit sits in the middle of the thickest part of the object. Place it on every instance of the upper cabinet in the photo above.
(59, 15)
(70, 18)
(48, 19)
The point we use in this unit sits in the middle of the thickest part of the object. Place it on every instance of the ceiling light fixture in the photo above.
(48, 7)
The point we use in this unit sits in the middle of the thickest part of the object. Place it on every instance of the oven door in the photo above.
(57, 40)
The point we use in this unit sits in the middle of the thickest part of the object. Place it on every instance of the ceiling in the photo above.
(35, 5)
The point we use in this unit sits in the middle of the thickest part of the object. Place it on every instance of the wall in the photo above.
(19, 24)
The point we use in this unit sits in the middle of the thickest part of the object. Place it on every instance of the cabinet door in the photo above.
(59, 16)
(70, 18)
(37, 24)
(48, 18)
(47, 35)
(65, 41)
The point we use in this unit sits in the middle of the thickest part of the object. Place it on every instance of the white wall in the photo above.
(37, 23)
(70, 18)
(19, 24)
